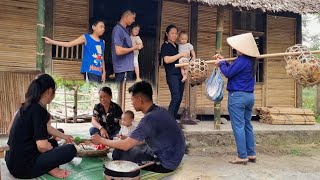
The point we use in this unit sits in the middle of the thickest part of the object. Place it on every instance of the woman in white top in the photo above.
(136, 40)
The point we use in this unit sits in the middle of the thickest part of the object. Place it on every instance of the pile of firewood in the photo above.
(286, 115)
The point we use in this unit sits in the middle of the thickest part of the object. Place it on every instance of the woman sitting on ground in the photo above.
(106, 116)
(31, 154)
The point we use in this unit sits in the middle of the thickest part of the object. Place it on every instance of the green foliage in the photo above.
(69, 84)
(318, 118)
(312, 39)
(308, 97)
(77, 140)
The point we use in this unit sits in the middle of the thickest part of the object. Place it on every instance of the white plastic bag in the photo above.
(214, 88)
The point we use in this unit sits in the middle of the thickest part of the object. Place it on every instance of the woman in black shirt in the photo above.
(171, 56)
(106, 115)
(30, 154)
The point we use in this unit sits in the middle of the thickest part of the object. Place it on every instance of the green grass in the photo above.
(296, 152)
(318, 118)
(308, 100)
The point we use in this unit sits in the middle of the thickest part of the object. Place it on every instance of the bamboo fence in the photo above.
(12, 90)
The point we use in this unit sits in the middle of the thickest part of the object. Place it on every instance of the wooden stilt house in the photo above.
(276, 25)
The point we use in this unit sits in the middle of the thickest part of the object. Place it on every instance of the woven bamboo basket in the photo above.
(81, 152)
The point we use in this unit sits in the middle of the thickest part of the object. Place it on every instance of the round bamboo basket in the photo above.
(81, 152)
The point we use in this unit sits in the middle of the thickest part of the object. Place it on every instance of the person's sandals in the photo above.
(252, 159)
(239, 161)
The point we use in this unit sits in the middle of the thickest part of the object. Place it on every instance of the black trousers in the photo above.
(90, 77)
(121, 76)
(176, 88)
(45, 162)
(140, 155)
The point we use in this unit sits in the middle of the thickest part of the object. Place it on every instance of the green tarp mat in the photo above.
(91, 168)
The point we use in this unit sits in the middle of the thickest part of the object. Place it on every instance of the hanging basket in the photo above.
(305, 67)
(197, 71)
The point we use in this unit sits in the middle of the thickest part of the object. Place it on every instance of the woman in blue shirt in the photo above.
(241, 79)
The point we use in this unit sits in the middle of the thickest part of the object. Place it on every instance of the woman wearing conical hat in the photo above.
(241, 80)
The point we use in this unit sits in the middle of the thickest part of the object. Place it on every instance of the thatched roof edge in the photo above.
(295, 6)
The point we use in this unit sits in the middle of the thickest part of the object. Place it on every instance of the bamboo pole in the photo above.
(40, 64)
(219, 33)
(259, 57)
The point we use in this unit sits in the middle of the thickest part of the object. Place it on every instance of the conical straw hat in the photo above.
(245, 44)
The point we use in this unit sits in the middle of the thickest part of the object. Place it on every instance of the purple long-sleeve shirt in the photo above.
(240, 74)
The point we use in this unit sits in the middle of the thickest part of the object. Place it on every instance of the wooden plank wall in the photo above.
(128, 102)
(67, 69)
(206, 48)
(177, 13)
(71, 19)
(18, 30)
(280, 87)
(13, 87)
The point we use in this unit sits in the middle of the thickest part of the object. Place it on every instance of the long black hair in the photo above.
(35, 90)
(167, 31)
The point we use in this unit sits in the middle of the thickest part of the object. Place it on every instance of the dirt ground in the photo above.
(296, 162)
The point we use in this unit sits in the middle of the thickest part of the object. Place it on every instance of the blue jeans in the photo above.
(120, 76)
(240, 106)
(176, 88)
(94, 130)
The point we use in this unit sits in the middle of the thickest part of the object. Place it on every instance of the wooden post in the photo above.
(188, 116)
(219, 33)
(298, 87)
(65, 104)
(194, 40)
(75, 100)
(123, 95)
(92, 96)
(40, 33)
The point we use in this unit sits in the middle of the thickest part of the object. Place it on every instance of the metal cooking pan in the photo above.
(123, 168)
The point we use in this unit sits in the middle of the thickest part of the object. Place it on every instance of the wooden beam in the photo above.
(193, 40)
(40, 33)
(298, 87)
(158, 44)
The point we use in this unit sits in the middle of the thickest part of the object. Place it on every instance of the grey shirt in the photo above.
(185, 47)
(121, 37)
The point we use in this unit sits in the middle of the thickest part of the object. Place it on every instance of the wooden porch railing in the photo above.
(73, 53)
